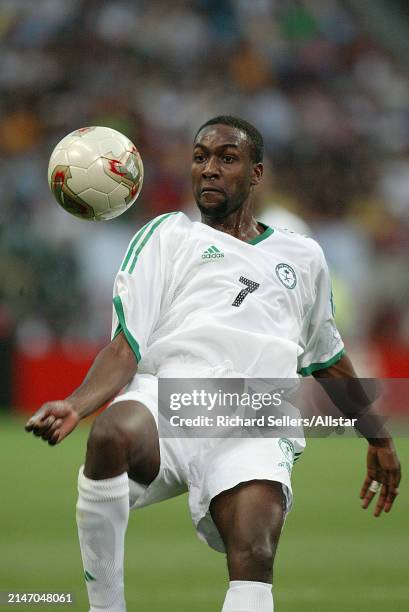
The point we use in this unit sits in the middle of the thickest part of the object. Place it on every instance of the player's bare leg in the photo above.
(249, 519)
(123, 443)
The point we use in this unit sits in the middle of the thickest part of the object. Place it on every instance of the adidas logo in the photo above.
(212, 253)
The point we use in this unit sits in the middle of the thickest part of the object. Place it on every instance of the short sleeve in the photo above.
(139, 287)
(321, 341)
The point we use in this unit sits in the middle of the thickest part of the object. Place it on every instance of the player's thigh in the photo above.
(124, 437)
(250, 515)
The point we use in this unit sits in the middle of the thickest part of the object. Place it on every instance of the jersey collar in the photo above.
(267, 232)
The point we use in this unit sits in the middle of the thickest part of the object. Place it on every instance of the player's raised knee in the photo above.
(251, 561)
(106, 434)
(260, 554)
(107, 448)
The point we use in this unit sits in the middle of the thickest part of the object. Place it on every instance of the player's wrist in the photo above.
(77, 407)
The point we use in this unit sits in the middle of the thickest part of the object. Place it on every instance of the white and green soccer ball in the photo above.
(95, 173)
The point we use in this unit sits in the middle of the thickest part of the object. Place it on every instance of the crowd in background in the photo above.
(331, 103)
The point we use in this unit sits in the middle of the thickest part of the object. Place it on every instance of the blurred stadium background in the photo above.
(326, 82)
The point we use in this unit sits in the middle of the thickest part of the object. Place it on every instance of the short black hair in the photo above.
(254, 137)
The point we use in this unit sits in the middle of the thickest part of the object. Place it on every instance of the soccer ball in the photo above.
(95, 173)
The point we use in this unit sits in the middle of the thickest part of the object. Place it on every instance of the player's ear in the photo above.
(257, 173)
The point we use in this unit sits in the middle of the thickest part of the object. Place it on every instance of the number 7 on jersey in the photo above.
(251, 286)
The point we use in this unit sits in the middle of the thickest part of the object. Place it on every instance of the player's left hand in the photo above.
(383, 467)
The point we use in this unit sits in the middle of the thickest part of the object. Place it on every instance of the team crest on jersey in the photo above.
(286, 275)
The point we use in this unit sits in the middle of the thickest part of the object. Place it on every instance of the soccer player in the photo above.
(221, 298)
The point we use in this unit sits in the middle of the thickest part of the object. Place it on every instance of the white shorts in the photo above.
(205, 467)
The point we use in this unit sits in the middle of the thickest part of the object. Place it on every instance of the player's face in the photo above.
(222, 170)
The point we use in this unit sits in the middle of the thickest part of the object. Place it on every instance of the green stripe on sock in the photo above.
(146, 238)
(88, 577)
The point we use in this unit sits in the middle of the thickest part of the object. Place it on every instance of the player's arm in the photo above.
(137, 297)
(114, 366)
(382, 462)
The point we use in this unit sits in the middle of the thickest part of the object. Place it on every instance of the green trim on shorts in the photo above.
(122, 327)
(314, 367)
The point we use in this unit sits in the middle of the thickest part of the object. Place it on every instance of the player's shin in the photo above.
(102, 518)
(248, 596)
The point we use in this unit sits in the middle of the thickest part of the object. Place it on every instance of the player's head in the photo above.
(227, 164)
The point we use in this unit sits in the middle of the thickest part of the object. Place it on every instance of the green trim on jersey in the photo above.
(314, 367)
(132, 245)
(267, 232)
(117, 331)
(155, 222)
(121, 317)
(146, 238)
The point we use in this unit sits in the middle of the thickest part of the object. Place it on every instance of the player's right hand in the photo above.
(53, 421)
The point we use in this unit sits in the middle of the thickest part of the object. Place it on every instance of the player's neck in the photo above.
(241, 224)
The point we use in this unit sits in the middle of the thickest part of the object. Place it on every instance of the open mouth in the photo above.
(211, 190)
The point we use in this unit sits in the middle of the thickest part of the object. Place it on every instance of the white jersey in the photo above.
(195, 301)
